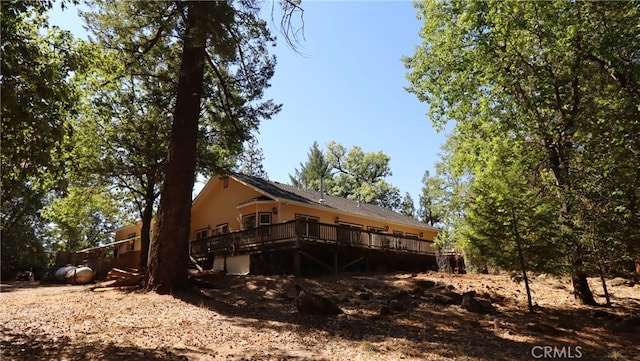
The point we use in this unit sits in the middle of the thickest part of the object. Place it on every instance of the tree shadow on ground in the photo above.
(36, 347)
(20, 285)
(423, 328)
(44, 347)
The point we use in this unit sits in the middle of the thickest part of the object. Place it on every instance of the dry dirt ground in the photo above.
(253, 318)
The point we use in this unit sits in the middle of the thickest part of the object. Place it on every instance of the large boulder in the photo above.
(308, 303)
(399, 295)
(471, 304)
(384, 311)
(426, 284)
(442, 299)
(396, 305)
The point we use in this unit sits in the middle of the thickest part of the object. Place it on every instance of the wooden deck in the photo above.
(300, 234)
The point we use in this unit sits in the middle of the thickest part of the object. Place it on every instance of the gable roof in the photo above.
(288, 193)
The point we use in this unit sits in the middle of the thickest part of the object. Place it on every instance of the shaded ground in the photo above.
(253, 318)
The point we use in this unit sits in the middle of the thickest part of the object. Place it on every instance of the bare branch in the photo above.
(292, 35)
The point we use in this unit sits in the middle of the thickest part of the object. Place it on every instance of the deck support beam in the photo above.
(352, 263)
(367, 265)
(297, 268)
(296, 262)
(317, 261)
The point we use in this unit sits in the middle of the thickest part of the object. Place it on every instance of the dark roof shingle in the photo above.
(292, 193)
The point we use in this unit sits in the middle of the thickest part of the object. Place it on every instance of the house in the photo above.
(247, 224)
(124, 252)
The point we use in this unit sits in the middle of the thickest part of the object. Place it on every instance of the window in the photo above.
(350, 225)
(132, 241)
(265, 221)
(380, 239)
(349, 232)
(311, 226)
(202, 233)
(376, 229)
(397, 243)
(412, 235)
(249, 221)
(220, 229)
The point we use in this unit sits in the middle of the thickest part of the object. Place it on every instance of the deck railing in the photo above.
(292, 233)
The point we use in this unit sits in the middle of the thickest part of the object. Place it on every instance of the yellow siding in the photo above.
(125, 232)
(258, 208)
(218, 205)
(290, 210)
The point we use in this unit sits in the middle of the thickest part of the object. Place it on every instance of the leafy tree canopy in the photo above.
(407, 207)
(352, 174)
(251, 159)
(315, 168)
(38, 97)
(561, 81)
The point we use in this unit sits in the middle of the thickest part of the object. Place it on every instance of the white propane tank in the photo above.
(83, 275)
(62, 272)
(76, 275)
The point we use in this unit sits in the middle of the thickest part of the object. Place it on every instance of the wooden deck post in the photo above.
(297, 267)
(367, 267)
(296, 262)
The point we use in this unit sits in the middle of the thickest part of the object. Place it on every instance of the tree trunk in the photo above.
(560, 167)
(169, 248)
(607, 297)
(581, 290)
(147, 217)
(523, 265)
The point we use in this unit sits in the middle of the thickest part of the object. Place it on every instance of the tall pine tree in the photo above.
(221, 70)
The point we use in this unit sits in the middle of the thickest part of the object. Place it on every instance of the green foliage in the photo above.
(250, 161)
(352, 174)
(315, 168)
(608, 213)
(122, 135)
(360, 175)
(509, 208)
(211, 62)
(37, 98)
(22, 231)
(407, 207)
(84, 218)
(445, 194)
(559, 80)
(145, 40)
(432, 201)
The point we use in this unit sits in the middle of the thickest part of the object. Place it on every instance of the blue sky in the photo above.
(347, 87)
